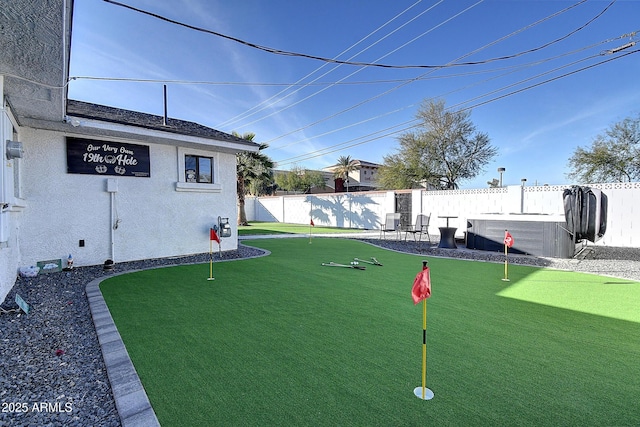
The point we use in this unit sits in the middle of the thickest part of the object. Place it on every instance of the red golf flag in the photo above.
(213, 235)
(312, 224)
(508, 239)
(421, 286)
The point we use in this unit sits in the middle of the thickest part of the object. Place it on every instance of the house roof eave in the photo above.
(81, 127)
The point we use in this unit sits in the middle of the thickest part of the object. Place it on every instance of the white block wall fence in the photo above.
(366, 210)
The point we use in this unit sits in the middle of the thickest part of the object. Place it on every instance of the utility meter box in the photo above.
(224, 227)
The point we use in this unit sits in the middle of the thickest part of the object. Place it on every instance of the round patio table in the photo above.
(447, 235)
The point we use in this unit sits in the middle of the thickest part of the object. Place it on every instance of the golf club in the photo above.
(372, 262)
(353, 264)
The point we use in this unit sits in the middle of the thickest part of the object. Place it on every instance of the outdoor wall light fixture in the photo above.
(501, 171)
(14, 149)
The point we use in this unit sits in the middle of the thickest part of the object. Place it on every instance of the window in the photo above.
(198, 169)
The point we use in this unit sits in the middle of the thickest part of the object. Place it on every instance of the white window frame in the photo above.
(203, 187)
(10, 181)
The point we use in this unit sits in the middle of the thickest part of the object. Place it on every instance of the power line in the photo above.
(332, 83)
(212, 83)
(342, 146)
(553, 15)
(450, 64)
(379, 116)
(323, 151)
(337, 61)
(35, 82)
(485, 61)
(267, 103)
(515, 68)
(357, 71)
(551, 80)
(525, 80)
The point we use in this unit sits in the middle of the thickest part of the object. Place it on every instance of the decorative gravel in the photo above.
(602, 260)
(51, 367)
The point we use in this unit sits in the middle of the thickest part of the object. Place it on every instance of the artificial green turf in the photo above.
(281, 340)
(261, 228)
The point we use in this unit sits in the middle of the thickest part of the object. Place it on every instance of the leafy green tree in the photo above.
(344, 167)
(299, 179)
(401, 171)
(445, 150)
(613, 156)
(262, 186)
(251, 167)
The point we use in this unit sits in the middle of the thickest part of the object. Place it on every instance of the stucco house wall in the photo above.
(45, 212)
(154, 217)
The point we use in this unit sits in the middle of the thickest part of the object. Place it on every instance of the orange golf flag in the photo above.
(213, 235)
(508, 238)
(421, 286)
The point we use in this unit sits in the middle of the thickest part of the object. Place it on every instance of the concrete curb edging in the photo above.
(131, 400)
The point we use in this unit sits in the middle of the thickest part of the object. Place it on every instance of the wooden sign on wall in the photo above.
(90, 156)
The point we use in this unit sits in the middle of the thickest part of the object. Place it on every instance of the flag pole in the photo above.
(506, 260)
(210, 260)
(311, 218)
(506, 263)
(423, 392)
(311, 224)
(424, 347)
(211, 233)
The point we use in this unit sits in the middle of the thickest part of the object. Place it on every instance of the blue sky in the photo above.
(311, 112)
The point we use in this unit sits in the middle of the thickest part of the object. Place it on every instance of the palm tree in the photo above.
(344, 167)
(250, 167)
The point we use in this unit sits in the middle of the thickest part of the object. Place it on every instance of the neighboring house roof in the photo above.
(104, 113)
(363, 163)
(356, 162)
